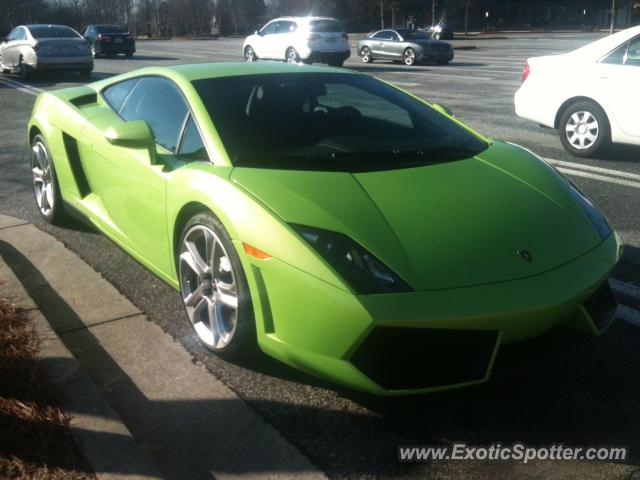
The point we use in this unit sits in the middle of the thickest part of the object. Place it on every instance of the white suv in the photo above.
(299, 39)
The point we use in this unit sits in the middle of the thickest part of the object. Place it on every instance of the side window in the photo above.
(158, 102)
(370, 106)
(271, 28)
(115, 95)
(21, 35)
(633, 53)
(12, 35)
(384, 35)
(191, 146)
(286, 27)
(617, 56)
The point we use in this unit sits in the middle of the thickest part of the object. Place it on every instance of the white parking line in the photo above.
(602, 178)
(590, 168)
(21, 86)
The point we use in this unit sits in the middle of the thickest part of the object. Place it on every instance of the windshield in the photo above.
(325, 26)
(329, 121)
(413, 35)
(52, 31)
(110, 29)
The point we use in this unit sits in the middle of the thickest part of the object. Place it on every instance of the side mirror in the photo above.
(257, 32)
(134, 134)
(443, 109)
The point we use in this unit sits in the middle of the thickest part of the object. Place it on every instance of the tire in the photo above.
(250, 54)
(336, 63)
(291, 56)
(85, 74)
(584, 129)
(409, 57)
(23, 70)
(94, 54)
(443, 62)
(365, 54)
(128, 55)
(214, 287)
(45, 182)
(437, 36)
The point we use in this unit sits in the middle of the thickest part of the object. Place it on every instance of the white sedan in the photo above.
(591, 95)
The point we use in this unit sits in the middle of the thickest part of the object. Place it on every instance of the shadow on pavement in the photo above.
(586, 395)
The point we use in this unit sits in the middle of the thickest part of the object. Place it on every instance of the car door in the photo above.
(381, 44)
(283, 38)
(266, 48)
(619, 82)
(394, 47)
(131, 188)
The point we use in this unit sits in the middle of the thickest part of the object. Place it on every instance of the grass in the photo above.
(35, 439)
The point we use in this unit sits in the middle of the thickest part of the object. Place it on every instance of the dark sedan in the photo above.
(407, 46)
(109, 40)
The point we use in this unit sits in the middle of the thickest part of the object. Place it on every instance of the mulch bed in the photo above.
(35, 440)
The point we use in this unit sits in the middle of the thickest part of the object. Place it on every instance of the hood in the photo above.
(441, 226)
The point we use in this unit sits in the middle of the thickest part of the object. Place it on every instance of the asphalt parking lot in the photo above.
(586, 395)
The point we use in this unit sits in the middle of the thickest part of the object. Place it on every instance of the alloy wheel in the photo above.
(582, 130)
(409, 56)
(249, 54)
(208, 287)
(292, 56)
(366, 55)
(42, 178)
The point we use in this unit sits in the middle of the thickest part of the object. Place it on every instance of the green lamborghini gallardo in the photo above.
(338, 223)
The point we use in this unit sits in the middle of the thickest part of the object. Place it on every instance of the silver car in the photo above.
(40, 47)
(407, 46)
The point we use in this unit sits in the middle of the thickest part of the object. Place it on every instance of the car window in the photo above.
(271, 28)
(110, 29)
(617, 56)
(329, 122)
(633, 53)
(21, 35)
(384, 35)
(12, 35)
(191, 146)
(286, 27)
(325, 26)
(158, 102)
(366, 103)
(115, 95)
(52, 31)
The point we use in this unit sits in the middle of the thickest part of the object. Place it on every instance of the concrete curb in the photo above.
(105, 441)
(139, 403)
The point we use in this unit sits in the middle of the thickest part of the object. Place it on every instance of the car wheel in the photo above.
(94, 54)
(128, 55)
(443, 62)
(584, 129)
(250, 54)
(437, 36)
(409, 56)
(291, 55)
(336, 63)
(214, 288)
(366, 56)
(85, 74)
(45, 182)
(23, 70)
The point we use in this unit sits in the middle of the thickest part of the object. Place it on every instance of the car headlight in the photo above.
(597, 218)
(355, 264)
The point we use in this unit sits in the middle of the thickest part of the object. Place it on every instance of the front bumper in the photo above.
(420, 342)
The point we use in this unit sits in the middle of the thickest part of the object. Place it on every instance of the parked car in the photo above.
(590, 95)
(109, 40)
(340, 224)
(30, 48)
(407, 46)
(299, 39)
(441, 31)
